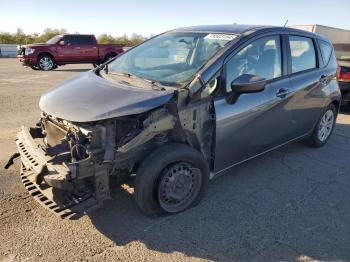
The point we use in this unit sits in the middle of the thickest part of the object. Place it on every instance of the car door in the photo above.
(69, 52)
(88, 48)
(256, 122)
(308, 81)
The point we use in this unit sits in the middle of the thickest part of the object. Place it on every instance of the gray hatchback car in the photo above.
(174, 112)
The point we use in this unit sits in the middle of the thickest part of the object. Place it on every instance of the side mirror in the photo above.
(61, 43)
(248, 84)
(245, 84)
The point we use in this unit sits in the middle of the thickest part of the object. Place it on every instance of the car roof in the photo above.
(240, 29)
(231, 28)
(77, 34)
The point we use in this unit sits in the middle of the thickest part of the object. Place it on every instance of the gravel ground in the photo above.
(288, 205)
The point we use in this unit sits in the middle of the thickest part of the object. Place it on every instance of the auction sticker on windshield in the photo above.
(226, 37)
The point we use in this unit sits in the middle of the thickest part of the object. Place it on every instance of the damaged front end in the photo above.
(67, 166)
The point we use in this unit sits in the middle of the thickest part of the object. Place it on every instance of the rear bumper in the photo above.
(51, 185)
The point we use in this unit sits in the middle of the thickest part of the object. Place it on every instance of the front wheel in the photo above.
(46, 63)
(171, 179)
(34, 67)
(324, 127)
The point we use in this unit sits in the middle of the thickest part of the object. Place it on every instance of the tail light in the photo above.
(343, 73)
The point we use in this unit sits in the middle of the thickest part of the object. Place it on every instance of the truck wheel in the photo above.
(109, 57)
(171, 179)
(324, 127)
(34, 67)
(46, 63)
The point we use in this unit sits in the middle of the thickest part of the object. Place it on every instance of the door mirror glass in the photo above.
(61, 43)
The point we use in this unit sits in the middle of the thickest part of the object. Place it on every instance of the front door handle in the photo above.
(283, 92)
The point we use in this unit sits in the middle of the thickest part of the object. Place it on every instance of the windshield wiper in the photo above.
(155, 84)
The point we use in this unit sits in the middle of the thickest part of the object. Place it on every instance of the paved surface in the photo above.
(292, 204)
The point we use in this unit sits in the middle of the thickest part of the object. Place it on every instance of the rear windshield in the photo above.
(342, 51)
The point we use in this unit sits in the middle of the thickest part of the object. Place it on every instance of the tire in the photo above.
(326, 123)
(156, 179)
(34, 67)
(109, 57)
(46, 62)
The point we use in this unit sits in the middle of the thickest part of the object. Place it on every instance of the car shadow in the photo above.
(290, 204)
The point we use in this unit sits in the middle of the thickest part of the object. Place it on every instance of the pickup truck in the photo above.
(66, 49)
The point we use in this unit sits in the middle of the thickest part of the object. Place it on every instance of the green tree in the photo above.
(21, 38)
(49, 33)
(106, 39)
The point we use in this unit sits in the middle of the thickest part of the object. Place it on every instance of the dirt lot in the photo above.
(291, 204)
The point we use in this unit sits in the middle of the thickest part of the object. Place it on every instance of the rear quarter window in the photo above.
(303, 53)
(326, 50)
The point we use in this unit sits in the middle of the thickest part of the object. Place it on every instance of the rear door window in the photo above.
(84, 40)
(326, 50)
(302, 53)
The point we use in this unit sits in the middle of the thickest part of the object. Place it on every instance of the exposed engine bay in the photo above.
(78, 159)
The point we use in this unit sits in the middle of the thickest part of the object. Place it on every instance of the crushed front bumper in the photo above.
(54, 194)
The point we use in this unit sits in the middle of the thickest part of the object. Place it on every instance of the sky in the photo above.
(155, 16)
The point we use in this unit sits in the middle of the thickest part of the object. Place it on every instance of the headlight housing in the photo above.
(29, 51)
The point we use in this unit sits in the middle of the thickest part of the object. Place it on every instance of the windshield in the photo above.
(342, 51)
(171, 58)
(54, 39)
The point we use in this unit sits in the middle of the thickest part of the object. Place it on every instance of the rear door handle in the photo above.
(323, 79)
(282, 93)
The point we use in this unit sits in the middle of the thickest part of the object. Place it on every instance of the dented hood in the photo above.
(89, 97)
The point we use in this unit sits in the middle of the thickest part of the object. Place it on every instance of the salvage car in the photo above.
(66, 49)
(176, 111)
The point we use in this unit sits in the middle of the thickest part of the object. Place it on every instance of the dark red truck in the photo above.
(66, 49)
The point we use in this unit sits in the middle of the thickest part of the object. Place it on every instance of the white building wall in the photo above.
(8, 50)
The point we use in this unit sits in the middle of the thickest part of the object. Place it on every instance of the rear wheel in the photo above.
(109, 57)
(171, 179)
(324, 127)
(46, 63)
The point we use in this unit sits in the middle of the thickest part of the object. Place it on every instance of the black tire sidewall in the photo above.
(150, 172)
(314, 140)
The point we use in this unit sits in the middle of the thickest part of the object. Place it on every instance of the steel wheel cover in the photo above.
(179, 186)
